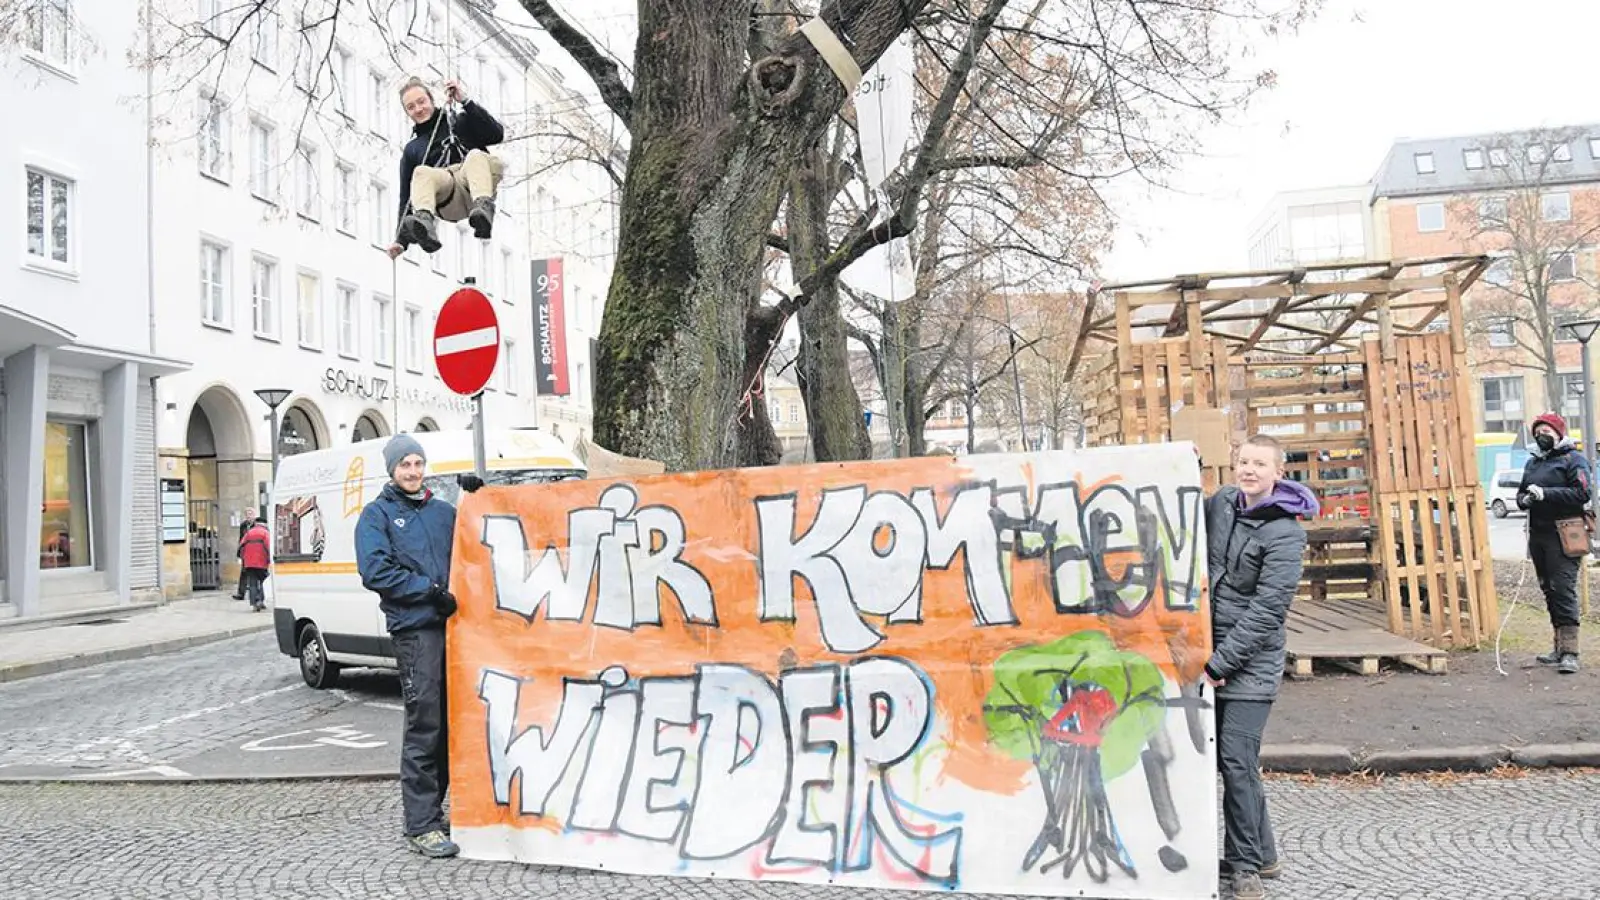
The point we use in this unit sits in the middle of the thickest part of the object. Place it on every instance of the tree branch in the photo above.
(600, 68)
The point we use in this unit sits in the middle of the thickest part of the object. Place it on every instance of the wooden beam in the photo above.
(1385, 326)
(1273, 314)
(1084, 329)
(1365, 307)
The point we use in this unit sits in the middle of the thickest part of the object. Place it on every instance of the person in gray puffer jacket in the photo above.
(1256, 553)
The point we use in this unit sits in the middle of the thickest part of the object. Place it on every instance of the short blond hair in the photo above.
(1267, 442)
(415, 82)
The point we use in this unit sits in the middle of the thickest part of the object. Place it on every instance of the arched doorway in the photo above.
(369, 426)
(301, 430)
(427, 424)
(219, 487)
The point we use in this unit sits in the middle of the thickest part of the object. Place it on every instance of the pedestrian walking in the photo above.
(255, 560)
(1555, 492)
(403, 544)
(247, 518)
(1256, 553)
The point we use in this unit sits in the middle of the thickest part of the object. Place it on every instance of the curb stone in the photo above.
(1557, 755)
(19, 671)
(1317, 759)
(385, 774)
(1436, 759)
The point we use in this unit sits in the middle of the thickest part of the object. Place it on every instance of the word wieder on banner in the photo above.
(970, 674)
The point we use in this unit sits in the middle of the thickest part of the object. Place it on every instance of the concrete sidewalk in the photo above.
(204, 618)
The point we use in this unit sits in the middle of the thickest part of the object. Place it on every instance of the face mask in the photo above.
(1546, 442)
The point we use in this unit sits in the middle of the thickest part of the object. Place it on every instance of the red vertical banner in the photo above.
(550, 328)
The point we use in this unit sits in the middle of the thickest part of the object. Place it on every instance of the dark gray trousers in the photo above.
(1247, 842)
(1558, 576)
(424, 757)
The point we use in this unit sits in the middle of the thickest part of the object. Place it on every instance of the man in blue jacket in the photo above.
(403, 543)
(446, 171)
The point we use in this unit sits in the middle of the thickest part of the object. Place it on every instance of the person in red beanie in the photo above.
(1555, 486)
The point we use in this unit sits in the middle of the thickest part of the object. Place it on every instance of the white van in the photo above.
(1502, 492)
(322, 614)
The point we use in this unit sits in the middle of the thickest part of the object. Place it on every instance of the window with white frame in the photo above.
(1563, 266)
(265, 32)
(486, 267)
(1571, 394)
(264, 297)
(210, 13)
(382, 331)
(413, 339)
(1424, 163)
(344, 190)
(381, 226)
(1537, 153)
(213, 146)
(377, 102)
(1561, 152)
(262, 159)
(1555, 206)
(309, 311)
(1502, 404)
(349, 325)
(1499, 272)
(436, 259)
(794, 412)
(305, 182)
(508, 276)
(1430, 217)
(214, 306)
(1472, 158)
(1502, 332)
(1594, 148)
(510, 368)
(1493, 211)
(50, 217)
(1499, 157)
(47, 29)
(460, 250)
(344, 83)
(305, 62)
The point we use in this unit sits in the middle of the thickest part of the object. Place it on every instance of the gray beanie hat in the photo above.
(399, 447)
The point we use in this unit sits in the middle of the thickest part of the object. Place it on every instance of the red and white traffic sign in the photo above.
(466, 341)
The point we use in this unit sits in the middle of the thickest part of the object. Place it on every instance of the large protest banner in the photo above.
(971, 674)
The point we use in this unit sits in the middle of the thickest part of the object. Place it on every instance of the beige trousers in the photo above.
(448, 193)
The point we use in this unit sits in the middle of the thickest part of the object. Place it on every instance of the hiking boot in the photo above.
(433, 845)
(1247, 886)
(420, 228)
(1553, 658)
(481, 218)
(1568, 664)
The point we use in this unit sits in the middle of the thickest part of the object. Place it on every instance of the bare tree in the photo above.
(1526, 215)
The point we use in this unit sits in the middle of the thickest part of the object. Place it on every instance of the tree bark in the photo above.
(758, 441)
(712, 143)
(833, 408)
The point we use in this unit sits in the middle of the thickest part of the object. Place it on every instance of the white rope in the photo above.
(1516, 595)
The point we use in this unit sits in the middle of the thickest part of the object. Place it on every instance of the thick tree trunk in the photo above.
(894, 374)
(758, 441)
(833, 408)
(713, 140)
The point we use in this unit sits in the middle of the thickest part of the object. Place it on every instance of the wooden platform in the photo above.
(1317, 632)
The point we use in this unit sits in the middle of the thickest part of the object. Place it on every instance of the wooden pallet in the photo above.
(1319, 632)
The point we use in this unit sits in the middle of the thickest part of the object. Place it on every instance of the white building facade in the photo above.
(276, 198)
(78, 357)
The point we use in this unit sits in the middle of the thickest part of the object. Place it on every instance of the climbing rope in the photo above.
(1516, 595)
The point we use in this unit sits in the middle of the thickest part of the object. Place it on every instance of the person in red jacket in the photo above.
(256, 558)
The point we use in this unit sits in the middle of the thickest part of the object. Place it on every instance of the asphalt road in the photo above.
(1506, 537)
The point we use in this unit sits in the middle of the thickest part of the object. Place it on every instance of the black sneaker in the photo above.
(481, 218)
(420, 228)
(433, 845)
(1568, 664)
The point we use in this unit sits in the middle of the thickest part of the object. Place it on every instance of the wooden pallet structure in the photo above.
(1360, 370)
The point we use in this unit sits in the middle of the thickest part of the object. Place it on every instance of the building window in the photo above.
(1424, 163)
(382, 336)
(1493, 211)
(1563, 266)
(214, 284)
(261, 159)
(378, 213)
(50, 202)
(1502, 332)
(305, 64)
(344, 189)
(349, 332)
(264, 47)
(264, 297)
(214, 137)
(1561, 152)
(378, 99)
(309, 311)
(486, 267)
(1555, 206)
(512, 375)
(1472, 158)
(1499, 272)
(1537, 153)
(1502, 404)
(774, 411)
(296, 434)
(64, 535)
(413, 339)
(794, 412)
(367, 429)
(1571, 396)
(508, 284)
(305, 182)
(1499, 157)
(47, 29)
(344, 85)
(1430, 217)
(1594, 148)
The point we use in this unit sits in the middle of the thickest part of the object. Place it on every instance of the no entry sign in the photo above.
(466, 341)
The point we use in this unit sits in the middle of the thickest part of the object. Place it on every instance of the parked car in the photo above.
(1502, 492)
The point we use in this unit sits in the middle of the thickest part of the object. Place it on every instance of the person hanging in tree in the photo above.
(446, 171)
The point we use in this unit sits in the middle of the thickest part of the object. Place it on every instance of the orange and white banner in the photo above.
(971, 674)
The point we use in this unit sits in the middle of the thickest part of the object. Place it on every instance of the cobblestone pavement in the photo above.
(161, 710)
(1478, 837)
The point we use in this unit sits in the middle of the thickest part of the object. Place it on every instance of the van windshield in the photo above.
(445, 488)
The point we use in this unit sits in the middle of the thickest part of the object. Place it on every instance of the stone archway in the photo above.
(370, 425)
(302, 429)
(427, 424)
(222, 482)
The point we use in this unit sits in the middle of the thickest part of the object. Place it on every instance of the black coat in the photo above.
(1563, 473)
(474, 129)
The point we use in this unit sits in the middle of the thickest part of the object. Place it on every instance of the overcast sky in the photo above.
(1363, 74)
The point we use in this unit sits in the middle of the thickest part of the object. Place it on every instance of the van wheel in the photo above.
(1499, 507)
(314, 665)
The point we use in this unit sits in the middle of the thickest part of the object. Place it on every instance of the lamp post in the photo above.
(273, 398)
(1582, 330)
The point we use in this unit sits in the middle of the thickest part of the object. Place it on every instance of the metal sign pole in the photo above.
(479, 453)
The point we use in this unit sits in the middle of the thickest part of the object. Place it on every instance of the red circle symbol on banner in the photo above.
(466, 341)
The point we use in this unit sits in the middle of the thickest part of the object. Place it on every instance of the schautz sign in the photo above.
(550, 328)
(377, 390)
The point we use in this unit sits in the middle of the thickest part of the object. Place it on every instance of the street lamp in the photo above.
(273, 398)
(1582, 330)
